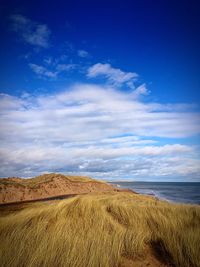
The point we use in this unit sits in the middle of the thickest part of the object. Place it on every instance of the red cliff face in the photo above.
(46, 186)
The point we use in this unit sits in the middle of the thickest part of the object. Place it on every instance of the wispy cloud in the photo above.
(96, 130)
(140, 90)
(115, 76)
(83, 53)
(30, 31)
(44, 72)
(65, 67)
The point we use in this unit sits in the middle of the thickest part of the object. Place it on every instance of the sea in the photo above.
(180, 192)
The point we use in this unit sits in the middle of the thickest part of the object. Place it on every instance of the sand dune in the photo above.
(49, 185)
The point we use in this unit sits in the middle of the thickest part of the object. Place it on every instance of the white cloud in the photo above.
(140, 90)
(44, 72)
(31, 32)
(9, 103)
(114, 76)
(98, 131)
(83, 53)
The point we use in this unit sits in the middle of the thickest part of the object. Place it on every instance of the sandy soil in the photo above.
(13, 191)
(149, 259)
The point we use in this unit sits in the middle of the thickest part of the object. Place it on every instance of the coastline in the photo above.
(172, 192)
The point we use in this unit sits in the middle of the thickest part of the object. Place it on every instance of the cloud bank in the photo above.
(98, 131)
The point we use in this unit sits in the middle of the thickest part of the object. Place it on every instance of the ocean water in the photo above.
(172, 191)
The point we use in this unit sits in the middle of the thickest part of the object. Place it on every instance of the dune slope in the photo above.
(46, 186)
(115, 229)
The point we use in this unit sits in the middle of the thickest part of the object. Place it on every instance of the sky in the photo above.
(108, 89)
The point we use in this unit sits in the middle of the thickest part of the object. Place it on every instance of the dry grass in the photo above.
(98, 230)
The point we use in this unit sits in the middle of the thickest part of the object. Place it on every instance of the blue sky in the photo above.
(106, 89)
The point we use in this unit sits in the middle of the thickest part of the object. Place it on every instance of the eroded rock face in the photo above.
(17, 189)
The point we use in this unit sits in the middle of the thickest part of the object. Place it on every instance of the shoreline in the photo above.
(160, 196)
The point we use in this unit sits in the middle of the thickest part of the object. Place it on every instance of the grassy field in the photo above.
(100, 230)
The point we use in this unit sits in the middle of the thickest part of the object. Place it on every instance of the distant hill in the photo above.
(48, 185)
